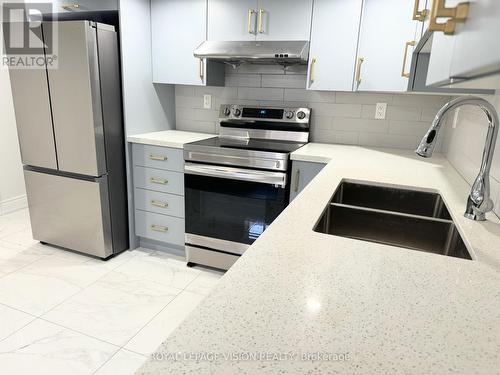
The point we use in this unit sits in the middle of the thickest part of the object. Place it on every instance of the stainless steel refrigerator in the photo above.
(70, 128)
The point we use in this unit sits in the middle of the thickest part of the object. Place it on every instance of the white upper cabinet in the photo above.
(232, 20)
(284, 19)
(334, 41)
(387, 32)
(177, 28)
(441, 54)
(476, 49)
(237, 20)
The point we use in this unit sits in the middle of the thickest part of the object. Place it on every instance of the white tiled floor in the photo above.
(66, 313)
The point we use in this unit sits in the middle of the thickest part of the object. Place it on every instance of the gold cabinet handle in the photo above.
(250, 25)
(408, 44)
(159, 228)
(158, 157)
(159, 204)
(358, 69)
(260, 27)
(70, 6)
(297, 181)
(157, 180)
(312, 70)
(201, 69)
(456, 14)
(419, 15)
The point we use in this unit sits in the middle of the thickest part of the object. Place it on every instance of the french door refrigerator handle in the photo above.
(241, 174)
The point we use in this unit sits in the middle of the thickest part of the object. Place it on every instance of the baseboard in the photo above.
(13, 204)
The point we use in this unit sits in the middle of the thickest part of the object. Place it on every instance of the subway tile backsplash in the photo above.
(337, 117)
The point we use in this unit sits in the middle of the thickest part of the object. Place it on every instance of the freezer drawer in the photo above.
(70, 212)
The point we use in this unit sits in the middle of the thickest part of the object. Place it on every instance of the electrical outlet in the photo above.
(380, 110)
(207, 101)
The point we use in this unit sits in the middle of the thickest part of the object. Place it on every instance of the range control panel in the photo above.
(234, 111)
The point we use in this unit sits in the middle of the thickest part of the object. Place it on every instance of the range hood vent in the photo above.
(265, 52)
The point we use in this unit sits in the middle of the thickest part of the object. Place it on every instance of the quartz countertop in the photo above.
(168, 138)
(359, 307)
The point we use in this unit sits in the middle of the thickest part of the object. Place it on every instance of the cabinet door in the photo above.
(334, 41)
(386, 27)
(177, 28)
(477, 44)
(233, 20)
(302, 174)
(441, 55)
(284, 19)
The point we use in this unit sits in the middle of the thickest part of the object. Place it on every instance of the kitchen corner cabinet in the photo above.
(334, 40)
(387, 31)
(177, 28)
(302, 173)
(470, 57)
(259, 20)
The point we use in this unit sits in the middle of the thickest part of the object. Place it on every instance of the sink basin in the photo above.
(400, 217)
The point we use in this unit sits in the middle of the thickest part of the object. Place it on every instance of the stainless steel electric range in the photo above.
(236, 184)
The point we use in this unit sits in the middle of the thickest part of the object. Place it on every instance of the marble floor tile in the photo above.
(34, 294)
(37, 248)
(11, 320)
(23, 237)
(45, 348)
(123, 362)
(205, 282)
(157, 330)
(114, 308)
(12, 260)
(160, 267)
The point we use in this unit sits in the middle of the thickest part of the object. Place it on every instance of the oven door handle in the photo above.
(241, 174)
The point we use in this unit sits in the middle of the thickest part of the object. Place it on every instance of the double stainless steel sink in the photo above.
(400, 217)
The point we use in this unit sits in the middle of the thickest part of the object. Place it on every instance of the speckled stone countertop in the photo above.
(168, 138)
(366, 308)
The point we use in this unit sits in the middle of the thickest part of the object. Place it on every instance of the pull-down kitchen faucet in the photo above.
(479, 201)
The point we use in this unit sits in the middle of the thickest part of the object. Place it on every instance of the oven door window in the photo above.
(231, 210)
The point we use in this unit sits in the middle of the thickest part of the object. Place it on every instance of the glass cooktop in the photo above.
(250, 144)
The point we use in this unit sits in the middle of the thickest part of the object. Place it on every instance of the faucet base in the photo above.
(475, 216)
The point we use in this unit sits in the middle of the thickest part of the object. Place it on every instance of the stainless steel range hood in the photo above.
(263, 52)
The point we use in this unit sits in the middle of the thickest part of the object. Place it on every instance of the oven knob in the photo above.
(236, 111)
(227, 111)
(289, 114)
(278, 164)
(301, 115)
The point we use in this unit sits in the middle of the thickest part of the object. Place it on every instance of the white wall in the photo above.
(464, 144)
(12, 191)
(337, 117)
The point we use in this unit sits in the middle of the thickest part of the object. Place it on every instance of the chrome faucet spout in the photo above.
(479, 201)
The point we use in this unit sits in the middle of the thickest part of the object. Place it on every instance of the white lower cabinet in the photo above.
(159, 194)
(302, 173)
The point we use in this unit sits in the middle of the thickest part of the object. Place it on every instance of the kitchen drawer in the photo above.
(170, 159)
(159, 180)
(161, 203)
(159, 227)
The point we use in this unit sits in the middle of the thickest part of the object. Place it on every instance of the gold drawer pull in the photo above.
(158, 157)
(159, 228)
(159, 204)
(157, 180)
(403, 73)
(419, 15)
(456, 14)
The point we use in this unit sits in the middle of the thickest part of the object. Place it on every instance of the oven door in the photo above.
(228, 208)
